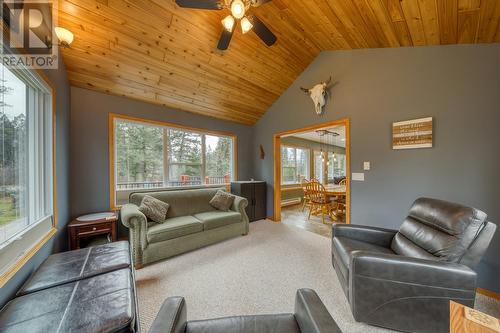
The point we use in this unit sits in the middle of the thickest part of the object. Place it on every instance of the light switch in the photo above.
(366, 165)
(358, 176)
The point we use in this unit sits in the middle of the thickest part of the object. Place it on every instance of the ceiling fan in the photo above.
(239, 9)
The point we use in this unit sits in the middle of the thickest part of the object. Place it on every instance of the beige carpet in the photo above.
(255, 274)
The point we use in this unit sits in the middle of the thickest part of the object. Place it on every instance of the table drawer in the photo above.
(100, 228)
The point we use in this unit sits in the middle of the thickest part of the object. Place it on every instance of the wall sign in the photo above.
(409, 134)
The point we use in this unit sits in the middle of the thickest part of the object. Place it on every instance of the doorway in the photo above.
(320, 152)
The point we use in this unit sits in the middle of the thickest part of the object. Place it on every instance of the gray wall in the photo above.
(59, 241)
(89, 142)
(457, 85)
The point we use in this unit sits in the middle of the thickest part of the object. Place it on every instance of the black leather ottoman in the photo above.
(103, 303)
(75, 265)
(86, 290)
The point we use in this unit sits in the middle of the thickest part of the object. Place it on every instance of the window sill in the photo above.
(14, 268)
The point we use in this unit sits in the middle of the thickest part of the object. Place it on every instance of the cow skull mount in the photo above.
(318, 94)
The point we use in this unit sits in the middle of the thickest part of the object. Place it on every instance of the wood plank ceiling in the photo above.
(155, 51)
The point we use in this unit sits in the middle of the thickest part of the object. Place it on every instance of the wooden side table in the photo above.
(79, 230)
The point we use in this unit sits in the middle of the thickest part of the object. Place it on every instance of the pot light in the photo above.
(228, 23)
(246, 25)
(238, 9)
(64, 35)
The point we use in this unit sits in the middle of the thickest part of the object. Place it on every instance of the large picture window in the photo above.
(151, 155)
(26, 165)
(294, 165)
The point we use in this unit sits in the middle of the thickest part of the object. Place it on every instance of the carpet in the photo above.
(255, 274)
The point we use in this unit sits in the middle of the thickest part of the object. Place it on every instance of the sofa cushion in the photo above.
(438, 228)
(343, 248)
(154, 209)
(182, 202)
(174, 228)
(222, 200)
(212, 220)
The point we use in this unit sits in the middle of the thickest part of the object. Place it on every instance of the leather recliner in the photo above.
(405, 279)
(311, 316)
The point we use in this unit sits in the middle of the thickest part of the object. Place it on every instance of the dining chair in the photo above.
(340, 201)
(320, 203)
(307, 201)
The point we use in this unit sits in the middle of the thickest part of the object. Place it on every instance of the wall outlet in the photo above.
(358, 176)
(366, 165)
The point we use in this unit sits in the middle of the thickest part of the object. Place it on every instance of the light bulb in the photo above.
(246, 25)
(228, 23)
(238, 9)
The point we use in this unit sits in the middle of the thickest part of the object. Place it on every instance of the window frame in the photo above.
(308, 162)
(28, 252)
(112, 117)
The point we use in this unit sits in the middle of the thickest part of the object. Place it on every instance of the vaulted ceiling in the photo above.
(155, 51)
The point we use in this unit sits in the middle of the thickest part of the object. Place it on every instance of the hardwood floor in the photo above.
(294, 216)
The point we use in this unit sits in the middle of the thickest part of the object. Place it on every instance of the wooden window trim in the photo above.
(14, 268)
(111, 146)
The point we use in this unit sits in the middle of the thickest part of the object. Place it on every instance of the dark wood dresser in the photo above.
(79, 231)
(255, 192)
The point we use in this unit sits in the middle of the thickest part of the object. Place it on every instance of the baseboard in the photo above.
(488, 293)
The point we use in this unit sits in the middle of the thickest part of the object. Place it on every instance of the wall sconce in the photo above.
(65, 36)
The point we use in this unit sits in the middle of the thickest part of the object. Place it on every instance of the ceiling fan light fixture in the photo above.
(228, 23)
(238, 9)
(246, 25)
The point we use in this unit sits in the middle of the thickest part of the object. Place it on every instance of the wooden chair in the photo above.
(307, 201)
(319, 201)
(340, 201)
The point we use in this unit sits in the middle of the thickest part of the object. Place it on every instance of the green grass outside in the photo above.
(7, 211)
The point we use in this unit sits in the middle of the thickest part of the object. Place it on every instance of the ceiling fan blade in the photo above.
(201, 4)
(257, 3)
(262, 31)
(225, 39)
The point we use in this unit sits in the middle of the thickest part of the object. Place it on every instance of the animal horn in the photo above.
(304, 90)
(329, 80)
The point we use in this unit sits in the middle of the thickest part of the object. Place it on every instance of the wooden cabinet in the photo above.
(255, 192)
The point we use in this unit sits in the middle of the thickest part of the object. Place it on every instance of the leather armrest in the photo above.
(171, 318)
(312, 315)
(396, 268)
(378, 236)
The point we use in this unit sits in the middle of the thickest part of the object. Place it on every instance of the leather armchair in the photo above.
(311, 316)
(405, 279)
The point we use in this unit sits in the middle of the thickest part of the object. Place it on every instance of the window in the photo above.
(336, 165)
(26, 170)
(319, 166)
(151, 155)
(294, 165)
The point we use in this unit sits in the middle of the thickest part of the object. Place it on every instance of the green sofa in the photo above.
(191, 223)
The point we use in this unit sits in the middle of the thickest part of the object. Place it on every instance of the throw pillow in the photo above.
(222, 200)
(154, 209)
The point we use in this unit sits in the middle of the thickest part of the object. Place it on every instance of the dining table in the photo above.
(335, 190)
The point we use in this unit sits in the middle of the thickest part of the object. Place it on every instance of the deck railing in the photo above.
(184, 180)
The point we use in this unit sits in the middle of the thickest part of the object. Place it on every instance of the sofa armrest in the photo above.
(171, 318)
(378, 236)
(239, 205)
(312, 315)
(384, 289)
(137, 222)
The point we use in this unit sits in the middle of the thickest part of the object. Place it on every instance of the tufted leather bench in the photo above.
(87, 290)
